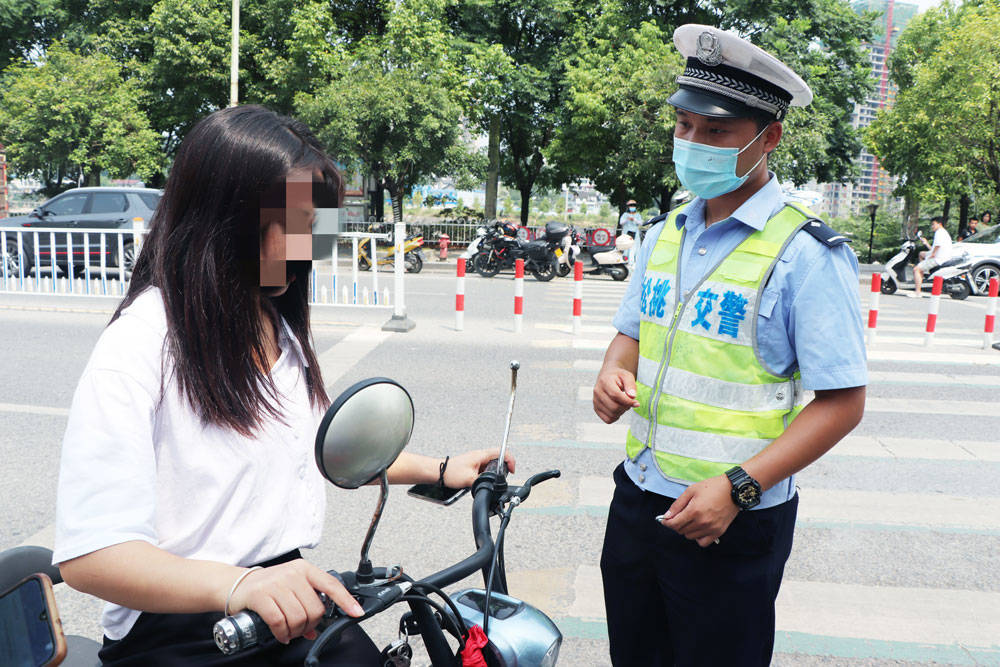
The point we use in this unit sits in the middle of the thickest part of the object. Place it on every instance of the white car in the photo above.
(983, 248)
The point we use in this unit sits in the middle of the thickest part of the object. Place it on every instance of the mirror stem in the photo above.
(365, 575)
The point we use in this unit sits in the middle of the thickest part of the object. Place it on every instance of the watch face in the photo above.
(748, 495)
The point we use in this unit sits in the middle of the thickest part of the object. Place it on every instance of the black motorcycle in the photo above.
(499, 250)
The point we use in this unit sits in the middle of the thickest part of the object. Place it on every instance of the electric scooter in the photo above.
(413, 256)
(955, 272)
(602, 259)
(361, 434)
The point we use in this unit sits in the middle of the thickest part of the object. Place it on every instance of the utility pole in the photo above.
(234, 60)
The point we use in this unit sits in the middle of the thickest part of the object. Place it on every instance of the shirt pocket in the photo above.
(744, 273)
(663, 253)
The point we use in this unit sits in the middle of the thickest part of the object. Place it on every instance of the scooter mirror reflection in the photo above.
(363, 432)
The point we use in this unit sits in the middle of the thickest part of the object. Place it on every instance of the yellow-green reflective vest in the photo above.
(707, 401)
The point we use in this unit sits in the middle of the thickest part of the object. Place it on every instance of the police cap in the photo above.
(728, 77)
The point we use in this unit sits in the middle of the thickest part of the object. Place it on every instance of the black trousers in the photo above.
(168, 640)
(671, 602)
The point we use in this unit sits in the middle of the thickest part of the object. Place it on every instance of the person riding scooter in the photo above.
(940, 252)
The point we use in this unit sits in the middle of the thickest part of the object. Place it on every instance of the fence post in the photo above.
(873, 306)
(460, 296)
(991, 312)
(932, 309)
(399, 321)
(518, 295)
(577, 297)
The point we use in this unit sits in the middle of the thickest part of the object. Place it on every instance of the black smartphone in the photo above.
(30, 630)
(442, 495)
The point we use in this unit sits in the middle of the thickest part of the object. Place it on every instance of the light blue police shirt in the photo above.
(809, 317)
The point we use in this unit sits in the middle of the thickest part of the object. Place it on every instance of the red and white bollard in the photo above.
(932, 309)
(460, 296)
(518, 295)
(991, 314)
(873, 306)
(577, 297)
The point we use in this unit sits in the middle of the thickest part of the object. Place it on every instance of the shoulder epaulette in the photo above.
(824, 234)
(656, 218)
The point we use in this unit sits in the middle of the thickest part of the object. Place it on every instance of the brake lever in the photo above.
(522, 492)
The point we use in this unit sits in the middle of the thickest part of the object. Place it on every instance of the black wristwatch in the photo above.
(746, 490)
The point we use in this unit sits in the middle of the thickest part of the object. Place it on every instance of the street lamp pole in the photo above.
(871, 236)
(234, 60)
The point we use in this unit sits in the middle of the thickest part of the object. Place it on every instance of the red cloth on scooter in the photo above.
(472, 654)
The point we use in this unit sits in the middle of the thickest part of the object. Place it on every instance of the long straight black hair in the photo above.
(203, 251)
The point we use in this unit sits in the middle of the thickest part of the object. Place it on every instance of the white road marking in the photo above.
(576, 344)
(34, 409)
(910, 448)
(931, 407)
(344, 355)
(848, 507)
(601, 432)
(922, 355)
(920, 615)
(603, 329)
(939, 340)
(899, 377)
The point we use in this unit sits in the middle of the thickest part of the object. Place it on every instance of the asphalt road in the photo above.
(897, 546)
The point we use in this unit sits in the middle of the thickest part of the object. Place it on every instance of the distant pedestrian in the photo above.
(987, 218)
(970, 229)
(630, 220)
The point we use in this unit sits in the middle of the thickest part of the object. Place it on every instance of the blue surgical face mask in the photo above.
(710, 171)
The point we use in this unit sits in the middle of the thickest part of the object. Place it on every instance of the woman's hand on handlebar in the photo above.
(463, 469)
(285, 597)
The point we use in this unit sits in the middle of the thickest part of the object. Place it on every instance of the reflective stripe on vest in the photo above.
(706, 400)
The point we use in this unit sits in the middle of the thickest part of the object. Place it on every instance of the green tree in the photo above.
(820, 39)
(616, 126)
(524, 72)
(942, 136)
(394, 104)
(71, 114)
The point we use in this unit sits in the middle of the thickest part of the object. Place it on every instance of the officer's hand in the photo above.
(285, 598)
(614, 393)
(704, 511)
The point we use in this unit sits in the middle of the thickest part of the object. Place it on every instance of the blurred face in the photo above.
(936, 225)
(286, 233)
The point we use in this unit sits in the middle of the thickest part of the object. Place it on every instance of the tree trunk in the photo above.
(963, 213)
(912, 208)
(945, 211)
(93, 177)
(493, 170)
(525, 204)
(666, 196)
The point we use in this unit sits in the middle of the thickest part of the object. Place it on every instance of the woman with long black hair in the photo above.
(187, 483)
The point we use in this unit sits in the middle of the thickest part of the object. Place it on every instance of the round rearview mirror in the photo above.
(363, 432)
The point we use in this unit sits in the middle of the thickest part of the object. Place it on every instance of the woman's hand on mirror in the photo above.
(463, 469)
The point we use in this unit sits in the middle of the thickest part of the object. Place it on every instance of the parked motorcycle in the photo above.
(473, 248)
(361, 434)
(601, 259)
(413, 256)
(499, 249)
(557, 236)
(955, 272)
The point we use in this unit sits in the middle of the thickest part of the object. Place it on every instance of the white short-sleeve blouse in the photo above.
(141, 465)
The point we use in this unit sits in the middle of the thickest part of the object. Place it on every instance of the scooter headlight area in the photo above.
(520, 634)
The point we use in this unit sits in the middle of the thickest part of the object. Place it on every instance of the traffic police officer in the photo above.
(740, 302)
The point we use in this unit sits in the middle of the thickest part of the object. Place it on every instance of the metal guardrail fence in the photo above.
(84, 262)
